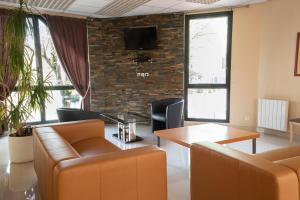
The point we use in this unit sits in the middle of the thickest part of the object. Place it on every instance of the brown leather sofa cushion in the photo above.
(292, 163)
(135, 174)
(94, 146)
(288, 157)
(280, 154)
(80, 130)
(220, 173)
(55, 145)
(97, 169)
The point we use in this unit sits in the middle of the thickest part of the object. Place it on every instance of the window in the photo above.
(208, 60)
(47, 65)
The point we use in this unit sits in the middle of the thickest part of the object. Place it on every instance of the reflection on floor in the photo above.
(18, 181)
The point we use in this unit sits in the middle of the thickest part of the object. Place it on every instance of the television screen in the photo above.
(140, 38)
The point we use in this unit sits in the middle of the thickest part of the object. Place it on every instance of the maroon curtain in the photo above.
(70, 40)
(7, 80)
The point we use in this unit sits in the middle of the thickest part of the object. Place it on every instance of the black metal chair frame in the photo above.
(73, 114)
(173, 110)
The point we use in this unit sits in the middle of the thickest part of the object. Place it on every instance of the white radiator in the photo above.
(273, 114)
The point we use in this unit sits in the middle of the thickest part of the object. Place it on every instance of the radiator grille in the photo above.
(273, 114)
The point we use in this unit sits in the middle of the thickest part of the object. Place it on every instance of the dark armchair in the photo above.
(166, 114)
(73, 114)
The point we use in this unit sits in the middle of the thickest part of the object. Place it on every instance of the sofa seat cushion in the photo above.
(94, 146)
(280, 154)
(159, 117)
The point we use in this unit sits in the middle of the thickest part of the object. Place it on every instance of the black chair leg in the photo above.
(158, 141)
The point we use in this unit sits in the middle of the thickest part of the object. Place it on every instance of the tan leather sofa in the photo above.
(73, 161)
(220, 173)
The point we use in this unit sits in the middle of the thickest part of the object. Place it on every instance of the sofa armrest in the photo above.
(49, 148)
(131, 174)
(78, 130)
(174, 115)
(292, 163)
(218, 172)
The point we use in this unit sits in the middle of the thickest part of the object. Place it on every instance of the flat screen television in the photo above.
(140, 38)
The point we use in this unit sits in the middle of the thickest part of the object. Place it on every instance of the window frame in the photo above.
(187, 85)
(39, 66)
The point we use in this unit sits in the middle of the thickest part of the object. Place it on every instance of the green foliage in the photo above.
(15, 33)
(18, 107)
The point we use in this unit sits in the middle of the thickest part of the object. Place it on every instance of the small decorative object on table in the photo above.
(126, 125)
(126, 132)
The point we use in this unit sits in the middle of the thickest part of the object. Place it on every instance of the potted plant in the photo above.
(19, 102)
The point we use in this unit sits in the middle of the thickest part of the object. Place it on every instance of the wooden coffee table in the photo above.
(220, 134)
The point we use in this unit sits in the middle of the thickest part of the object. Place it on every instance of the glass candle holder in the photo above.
(132, 131)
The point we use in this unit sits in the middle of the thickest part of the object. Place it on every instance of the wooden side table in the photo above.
(293, 122)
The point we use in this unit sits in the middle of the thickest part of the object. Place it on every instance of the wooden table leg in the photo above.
(254, 146)
(158, 141)
(291, 132)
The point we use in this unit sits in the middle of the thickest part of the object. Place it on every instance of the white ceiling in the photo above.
(117, 8)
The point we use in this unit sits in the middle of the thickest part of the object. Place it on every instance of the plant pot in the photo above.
(20, 149)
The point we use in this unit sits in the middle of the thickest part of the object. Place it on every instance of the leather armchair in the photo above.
(74, 114)
(218, 173)
(73, 161)
(166, 114)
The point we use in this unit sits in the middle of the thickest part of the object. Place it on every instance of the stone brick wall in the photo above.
(115, 84)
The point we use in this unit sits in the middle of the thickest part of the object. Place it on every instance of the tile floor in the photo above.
(18, 181)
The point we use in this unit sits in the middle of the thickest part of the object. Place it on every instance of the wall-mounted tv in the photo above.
(140, 38)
